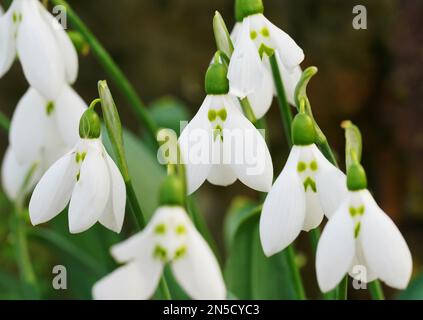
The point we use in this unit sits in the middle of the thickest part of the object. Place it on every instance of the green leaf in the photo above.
(414, 290)
(168, 111)
(248, 272)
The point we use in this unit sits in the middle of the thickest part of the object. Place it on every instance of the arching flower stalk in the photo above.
(255, 40)
(361, 234)
(86, 177)
(220, 144)
(28, 30)
(308, 187)
(170, 237)
(41, 131)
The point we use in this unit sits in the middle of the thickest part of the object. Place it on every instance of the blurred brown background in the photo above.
(373, 77)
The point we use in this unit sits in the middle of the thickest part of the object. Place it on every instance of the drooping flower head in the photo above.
(87, 179)
(361, 239)
(28, 30)
(220, 144)
(308, 187)
(169, 238)
(255, 40)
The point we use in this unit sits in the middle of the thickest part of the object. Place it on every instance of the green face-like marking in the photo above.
(309, 181)
(357, 211)
(217, 117)
(180, 252)
(160, 229)
(49, 107)
(160, 253)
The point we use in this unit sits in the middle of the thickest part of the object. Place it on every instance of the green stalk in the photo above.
(248, 110)
(341, 291)
(111, 68)
(376, 290)
(295, 272)
(4, 122)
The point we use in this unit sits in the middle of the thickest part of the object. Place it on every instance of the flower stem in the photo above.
(284, 106)
(134, 205)
(4, 122)
(248, 110)
(376, 290)
(342, 289)
(295, 272)
(111, 68)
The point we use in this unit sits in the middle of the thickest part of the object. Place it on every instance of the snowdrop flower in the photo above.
(48, 51)
(87, 178)
(308, 186)
(255, 39)
(170, 237)
(361, 234)
(220, 144)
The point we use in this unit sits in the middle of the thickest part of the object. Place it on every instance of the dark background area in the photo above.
(373, 77)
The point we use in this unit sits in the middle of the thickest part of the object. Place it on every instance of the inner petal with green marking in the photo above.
(217, 118)
(308, 170)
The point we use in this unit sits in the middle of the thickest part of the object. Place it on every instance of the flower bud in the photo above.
(221, 34)
(245, 8)
(356, 177)
(172, 192)
(303, 131)
(216, 81)
(89, 125)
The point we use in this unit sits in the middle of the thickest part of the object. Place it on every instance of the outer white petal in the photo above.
(290, 53)
(385, 249)
(290, 79)
(236, 30)
(38, 52)
(91, 192)
(27, 134)
(331, 184)
(14, 174)
(246, 70)
(69, 109)
(198, 271)
(114, 213)
(336, 249)
(261, 99)
(7, 42)
(65, 45)
(134, 281)
(52, 193)
(283, 214)
(250, 157)
(314, 213)
(195, 144)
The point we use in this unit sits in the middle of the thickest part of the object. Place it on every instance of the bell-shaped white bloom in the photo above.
(44, 130)
(28, 30)
(170, 237)
(221, 145)
(14, 175)
(361, 239)
(308, 186)
(90, 180)
(250, 73)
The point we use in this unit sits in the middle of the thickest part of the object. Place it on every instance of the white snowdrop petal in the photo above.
(14, 174)
(52, 193)
(114, 214)
(314, 213)
(195, 144)
(91, 192)
(331, 184)
(198, 271)
(249, 156)
(336, 249)
(246, 71)
(65, 45)
(236, 30)
(290, 79)
(69, 108)
(134, 281)
(283, 214)
(7, 42)
(39, 53)
(26, 135)
(290, 53)
(384, 247)
(261, 99)
(220, 174)
(360, 269)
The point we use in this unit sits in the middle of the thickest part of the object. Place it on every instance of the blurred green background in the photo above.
(373, 77)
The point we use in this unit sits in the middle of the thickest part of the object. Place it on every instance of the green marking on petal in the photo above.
(314, 166)
(265, 50)
(309, 182)
(222, 114)
(15, 17)
(361, 210)
(253, 35)
(160, 229)
(353, 212)
(78, 175)
(265, 32)
(80, 157)
(180, 252)
(160, 253)
(301, 166)
(49, 107)
(218, 132)
(212, 115)
(357, 229)
(180, 229)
